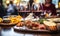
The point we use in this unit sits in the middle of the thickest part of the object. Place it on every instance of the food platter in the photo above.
(29, 26)
(20, 29)
(29, 30)
(10, 20)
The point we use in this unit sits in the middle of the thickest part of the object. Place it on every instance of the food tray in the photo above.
(30, 30)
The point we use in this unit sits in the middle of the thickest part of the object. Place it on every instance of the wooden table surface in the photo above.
(10, 32)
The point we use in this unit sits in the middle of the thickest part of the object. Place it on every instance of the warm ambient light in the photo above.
(7, 2)
(36, 1)
(59, 4)
(15, 1)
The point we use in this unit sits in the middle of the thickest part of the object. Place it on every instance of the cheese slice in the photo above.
(49, 23)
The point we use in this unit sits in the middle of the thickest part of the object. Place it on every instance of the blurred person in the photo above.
(36, 5)
(11, 9)
(48, 7)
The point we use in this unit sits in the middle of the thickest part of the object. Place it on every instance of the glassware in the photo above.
(58, 14)
(42, 15)
(35, 8)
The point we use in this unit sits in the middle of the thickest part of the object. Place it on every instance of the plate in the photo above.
(7, 24)
(25, 29)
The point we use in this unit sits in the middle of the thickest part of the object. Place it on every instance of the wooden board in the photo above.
(30, 30)
(7, 24)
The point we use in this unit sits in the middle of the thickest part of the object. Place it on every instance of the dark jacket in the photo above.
(2, 13)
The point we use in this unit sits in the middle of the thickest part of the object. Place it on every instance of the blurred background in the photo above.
(22, 5)
(18, 2)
